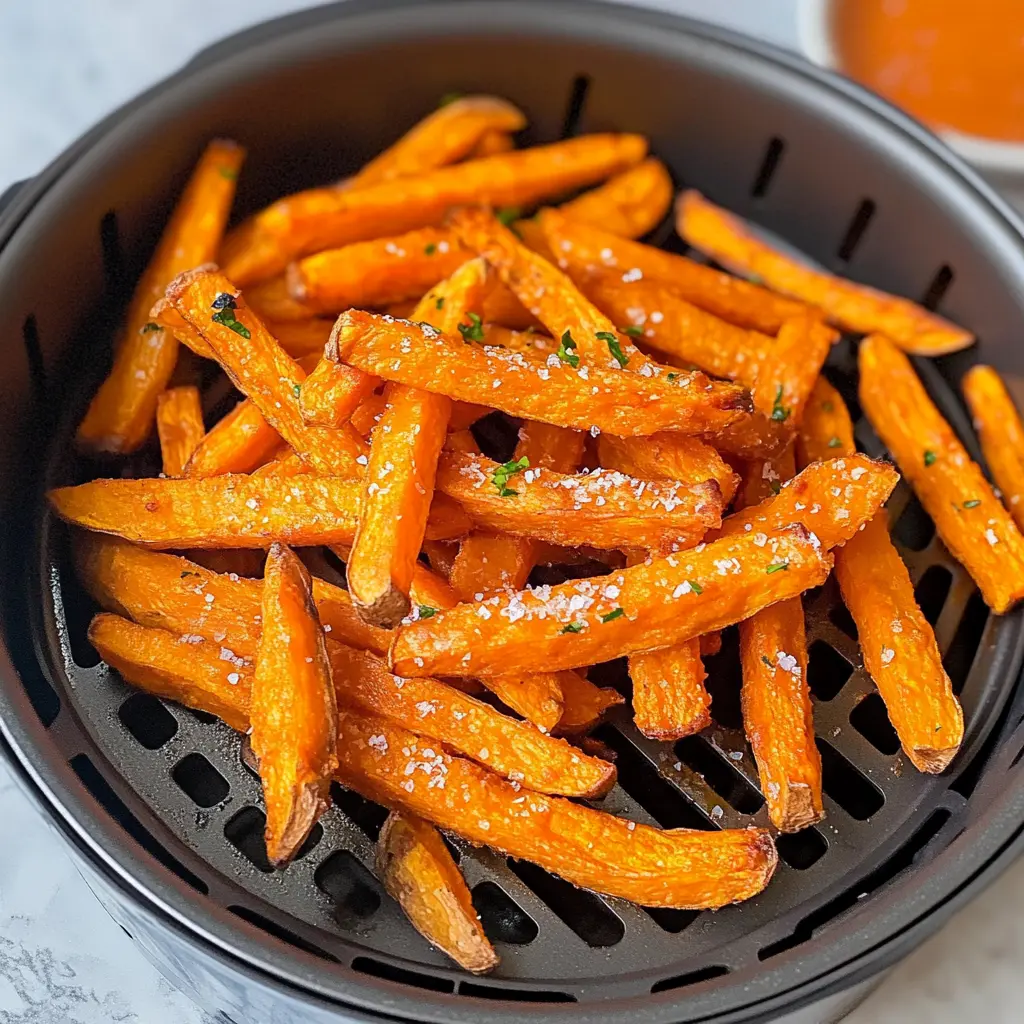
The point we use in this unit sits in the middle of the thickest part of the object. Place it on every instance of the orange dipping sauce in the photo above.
(954, 64)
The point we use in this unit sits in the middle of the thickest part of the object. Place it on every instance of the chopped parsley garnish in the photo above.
(430, 248)
(776, 486)
(503, 473)
(439, 304)
(297, 390)
(565, 352)
(426, 611)
(834, 442)
(473, 331)
(614, 346)
(148, 328)
(230, 173)
(973, 503)
(929, 457)
(633, 331)
(617, 613)
(779, 412)
(673, 376)
(777, 567)
(508, 215)
(767, 662)
(449, 97)
(696, 587)
(573, 627)
(225, 305)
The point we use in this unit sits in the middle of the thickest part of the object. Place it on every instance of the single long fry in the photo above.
(625, 404)
(259, 367)
(120, 416)
(1001, 434)
(587, 250)
(293, 713)
(897, 642)
(669, 696)
(238, 443)
(332, 392)
(230, 511)
(418, 871)
(179, 425)
(969, 518)
(327, 218)
(852, 307)
(642, 608)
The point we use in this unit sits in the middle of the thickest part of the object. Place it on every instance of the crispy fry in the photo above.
(669, 696)
(969, 518)
(492, 143)
(120, 416)
(402, 466)
(276, 301)
(491, 561)
(238, 443)
(645, 607)
(852, 307)
(604, 508)
(897, 641)
(441, 554)
(368, 414)
(628, 205)
(230, 511)
(179, 424)
(1001, 434)
(587, 250)
(301, 337)
(418, 871)
(625, 404)
(259, 367)
(332, 392)
(584, 703)
(293, 713)
(502, 307)
(537, 697)
(327, 218)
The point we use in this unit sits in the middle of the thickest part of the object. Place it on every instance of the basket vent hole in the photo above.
(245, 833)
(827, 670)
(147, 720)
(280, 932)
(389, 972)
(515, 995)
(574, 107)
(855, 232)
(640, 779)
(614, 674)
(582, 911)
(111, 251)
(34, 356)
(503, 919)
(102, 791)
(914, 529)
(367, 816)
(769, 165)
(931, 591)
(940, 284)
(871, 720)
(801, 849)
(718, 772)
(960, 656)
(353, 889)
(497, 436)
(844, 783)
(841, 618)
(692, 978)
(200, 781)
(672, 921)
(725, 677)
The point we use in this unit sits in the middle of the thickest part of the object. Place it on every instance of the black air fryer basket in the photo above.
(164, 817)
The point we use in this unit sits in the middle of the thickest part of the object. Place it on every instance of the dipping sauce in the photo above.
(954, 64)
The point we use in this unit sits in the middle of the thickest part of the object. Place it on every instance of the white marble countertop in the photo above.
(63, 65)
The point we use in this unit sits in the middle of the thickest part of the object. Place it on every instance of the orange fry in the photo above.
(491, 561)
(969, 518)
(302, 337)
(179, 424)
(327, 218)
(238, 443)
(493, 143)
(120, 416)
(275, 301)
(584, 703)
(628, 205)
(852, 307)
(332, 392)
(669, 696)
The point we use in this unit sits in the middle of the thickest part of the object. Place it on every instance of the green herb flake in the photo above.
(149, 328)
(296, 390)
(696, 587)
(633, 331)
(426, 612)
(776, 486)
(834, 442)
(430, 248)
(508, 215)
(230, 173)
(565, 352)
(929, 457)
(617, 613)
(225, 305)
(573, 627)
(779, 412)
(827, 405)
(503, 473)
(449, 97)
(473, 331)
(973, 503)
(673, 376)
(614, 346)
(777, 567)
(439, 304)
(767, 662)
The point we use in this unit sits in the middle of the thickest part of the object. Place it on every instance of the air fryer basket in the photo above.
(163, 814)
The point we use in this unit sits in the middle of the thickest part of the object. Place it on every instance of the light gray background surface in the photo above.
(63, 65)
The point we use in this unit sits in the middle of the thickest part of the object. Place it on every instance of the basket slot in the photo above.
(871, 720)
(516, 995)
(691, 978)
(803, 849)
(769, 165)
(355, 892)
(389, 972)
(846, 785)
(574, 106)
(720, 773)
(855, 232)
(960, 654)
(827, 670)
(148, 720)
(200, 781)
(940, 284)
(503, 919)
(280, 932)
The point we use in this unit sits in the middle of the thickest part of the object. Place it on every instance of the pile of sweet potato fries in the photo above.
(677, 446)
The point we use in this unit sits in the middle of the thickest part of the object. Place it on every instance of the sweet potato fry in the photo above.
(259, 367)
(402, 466)
(625, 404)
(332, 392)
(327, 218)
(628, 205)
(537, 697)
(275, 301)
(179, 424)
(465, 414)
(897, 641)
(852, 307)
(230, 511)
(1001, 434)
(587, 250)
(645, 607)
(120, 416)
(969, 518)
(293, 713)
(502, 307)
(453, 131)
(368, 414)
(584, 703)
(302, 337)
(604, 508)
(441, 555)
(493, 143)
(491, 561)
(669, 697)
(419, 872)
